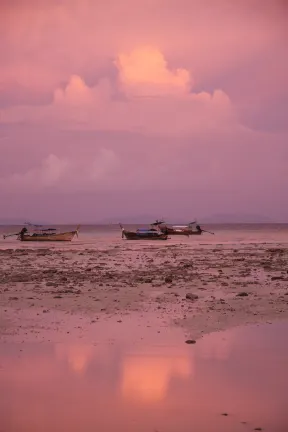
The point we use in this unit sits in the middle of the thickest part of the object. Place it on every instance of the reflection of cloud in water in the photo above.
(78, 356)
(216, 346)
(147, 377)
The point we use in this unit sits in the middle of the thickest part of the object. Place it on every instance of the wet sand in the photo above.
(198, 288)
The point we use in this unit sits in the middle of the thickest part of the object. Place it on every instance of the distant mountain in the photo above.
(236, 218)
(146, 219)
(217, 218)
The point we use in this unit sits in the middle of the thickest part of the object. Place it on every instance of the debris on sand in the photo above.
(191, 296)
(162, 280)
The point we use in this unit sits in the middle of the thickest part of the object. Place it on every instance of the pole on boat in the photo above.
(77, 230)
(209, 232)
(122, 229)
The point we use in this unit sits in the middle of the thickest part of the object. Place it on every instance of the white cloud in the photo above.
(104, 164)
(144, 72)
(65, 173)
(155, 100)
(50, 173)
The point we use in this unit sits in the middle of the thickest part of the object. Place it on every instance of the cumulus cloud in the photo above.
(235, 47)
(144, 72)
(151, 98)
(138, 94)
(50, 172)
(75, 93)
(64, 174)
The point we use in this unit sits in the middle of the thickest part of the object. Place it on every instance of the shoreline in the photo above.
(194, 288)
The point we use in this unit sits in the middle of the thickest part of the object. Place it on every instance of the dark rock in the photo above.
(187, 265)
(190, 342)
(224, 414)
(168, 279)
(242, 294)
(13, 298)
(273, 278)
(192, 297)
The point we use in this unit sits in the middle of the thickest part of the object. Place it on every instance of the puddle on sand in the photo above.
(154, 384)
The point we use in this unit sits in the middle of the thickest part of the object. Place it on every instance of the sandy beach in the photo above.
(201, 289)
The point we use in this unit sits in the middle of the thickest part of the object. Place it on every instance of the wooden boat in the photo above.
(47, 235)
(143, 234)
(184, 230)
(175, 231)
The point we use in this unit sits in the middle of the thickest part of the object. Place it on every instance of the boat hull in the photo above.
(194, 233)
(171, 231)
(129, 235)
(66, 236)
(183, 232)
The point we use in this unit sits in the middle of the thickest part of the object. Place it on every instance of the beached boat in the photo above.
(47, 235)
(174, 230)
(143, 234)
(185, 230)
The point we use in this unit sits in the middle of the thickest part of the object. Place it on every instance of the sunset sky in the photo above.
(131, 107)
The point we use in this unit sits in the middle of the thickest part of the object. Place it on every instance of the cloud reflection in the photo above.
(78, 356)
(146, 378)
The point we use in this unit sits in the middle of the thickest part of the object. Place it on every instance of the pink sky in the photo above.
(143, 107)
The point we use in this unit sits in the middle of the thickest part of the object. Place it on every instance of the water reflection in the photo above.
(78, 356)
(146, 387)
(147, 377)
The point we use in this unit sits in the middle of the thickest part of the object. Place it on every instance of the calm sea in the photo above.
(102, 236)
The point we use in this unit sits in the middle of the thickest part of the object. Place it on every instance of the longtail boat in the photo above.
(185, 230)
(44, 234)
(143, 234)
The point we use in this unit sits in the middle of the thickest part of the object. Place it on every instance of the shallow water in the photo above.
(110, 235)
(140, 379)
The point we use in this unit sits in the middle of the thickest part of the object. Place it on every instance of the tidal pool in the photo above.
(233, 381)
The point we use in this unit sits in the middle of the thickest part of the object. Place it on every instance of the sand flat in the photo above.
(229, 286)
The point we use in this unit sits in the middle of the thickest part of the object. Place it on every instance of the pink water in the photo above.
(147, 379)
